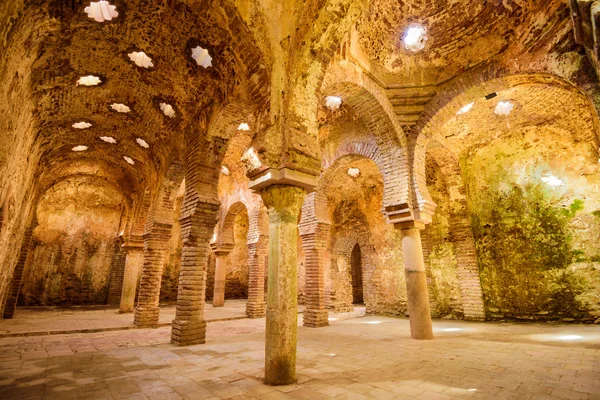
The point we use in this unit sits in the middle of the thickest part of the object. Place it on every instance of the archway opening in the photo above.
(357, 282)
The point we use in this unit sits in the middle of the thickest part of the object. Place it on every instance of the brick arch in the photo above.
(453, 97)
(343, 248)
(228, 117)
(315, 206)
(369, 101)
(225, 235)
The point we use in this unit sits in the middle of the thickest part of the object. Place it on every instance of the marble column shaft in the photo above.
(416, 285)
(283, 204)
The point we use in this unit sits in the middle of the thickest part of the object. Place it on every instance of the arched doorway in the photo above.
(356, 271)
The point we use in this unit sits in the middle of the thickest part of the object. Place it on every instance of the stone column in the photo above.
(416, 284)
(315, 315)
(283, 203)
(134, 262)
(156, 242)
(255, 307)
(189, 326)
(15, 284)
(221, 254)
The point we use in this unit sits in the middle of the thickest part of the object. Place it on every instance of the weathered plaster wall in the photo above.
(74, 244)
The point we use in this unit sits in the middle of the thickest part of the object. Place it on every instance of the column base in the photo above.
(315, 318)
(187, 333)
(146, 317)
(254, 311)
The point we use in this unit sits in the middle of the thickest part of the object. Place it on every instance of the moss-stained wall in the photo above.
(537, 243)
(74, 244)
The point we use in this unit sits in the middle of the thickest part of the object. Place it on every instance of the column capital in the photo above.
(409, 225)
(283, 202)
(221, 249)
(283, 176)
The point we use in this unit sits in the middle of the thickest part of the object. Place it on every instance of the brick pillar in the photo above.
(468, 270)
(189, 326)
(117, 269)
(416, 284)
(257, 256)
(283, 205)
(134, 261)
(15, 284)
(221, 254)
(314, 244)
(156, 241)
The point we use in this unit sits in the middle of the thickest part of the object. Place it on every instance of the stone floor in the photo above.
(51, 320)
(354, 358)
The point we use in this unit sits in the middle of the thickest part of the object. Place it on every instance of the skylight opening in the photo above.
(167, 109)
(89, 80)
(119, 107)
(415, 38)
(466, 108)
(504, 108)
(252, 160)
(141, 59)
(79, 148)
(142, 143)
(101, 11)
(354, 172)
(333, 102)
(81, 125)
(202, 57)
(129, 160)
(243, 127)
(108, 139)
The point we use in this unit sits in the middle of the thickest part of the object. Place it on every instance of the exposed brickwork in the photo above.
(202, 160)
(257, 266)
(15, 283)
(155, 244)
(117, 270)
(468, 271)
(315, 245)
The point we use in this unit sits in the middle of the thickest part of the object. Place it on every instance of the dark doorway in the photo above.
(357, 285)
